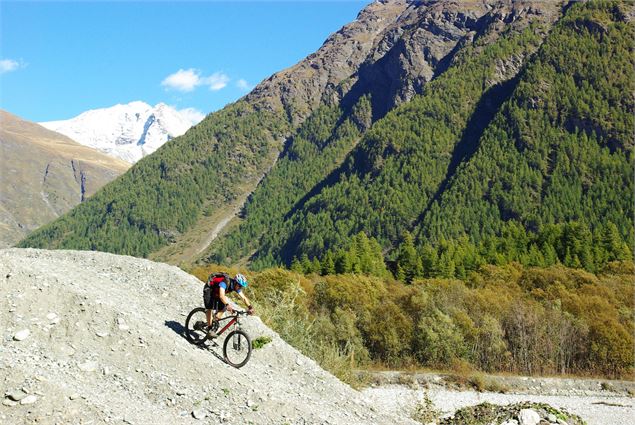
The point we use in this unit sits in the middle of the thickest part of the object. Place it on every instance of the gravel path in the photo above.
(596, 409)
(90, 337)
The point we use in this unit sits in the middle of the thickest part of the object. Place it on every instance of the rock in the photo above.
(101, 334)
(8, 402)
(510, 422)
(30, 399)
(15, 395)
(199, 413)
(299, 361)
(225, 416)
(22, 335)
(73, 396)
(67, 350)
(528, 417)
(89, 366)
(51, 316)
(552, 418)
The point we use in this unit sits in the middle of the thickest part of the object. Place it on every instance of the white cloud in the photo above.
(192, 114)
(216, 81)
(244, 85)
(186, 80)
(8, 65)
(182, 80)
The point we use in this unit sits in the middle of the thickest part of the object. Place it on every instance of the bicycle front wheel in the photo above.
(237, 348)
(196, 326)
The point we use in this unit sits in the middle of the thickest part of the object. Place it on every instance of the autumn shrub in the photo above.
(506, 318)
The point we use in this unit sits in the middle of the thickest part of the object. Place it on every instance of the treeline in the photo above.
(573, 245)
(510, 318)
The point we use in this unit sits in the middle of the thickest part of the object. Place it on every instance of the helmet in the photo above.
(242, 280)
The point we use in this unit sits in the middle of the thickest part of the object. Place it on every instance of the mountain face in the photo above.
(44, 174)
(128, 132)
(458, 122)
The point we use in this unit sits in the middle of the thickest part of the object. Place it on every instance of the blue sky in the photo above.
(58, 59)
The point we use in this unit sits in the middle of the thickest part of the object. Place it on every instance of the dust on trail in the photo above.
(105, 344)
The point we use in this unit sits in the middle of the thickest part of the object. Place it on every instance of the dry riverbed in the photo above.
(595, 408)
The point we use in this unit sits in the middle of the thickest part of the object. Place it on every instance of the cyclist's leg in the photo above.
(208, 301)
(220, 309)
(208, 313)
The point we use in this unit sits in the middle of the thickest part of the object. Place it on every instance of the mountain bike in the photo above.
(237, 345)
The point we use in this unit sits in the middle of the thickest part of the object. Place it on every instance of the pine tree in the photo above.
(328, 265)
(316, 267)
(307, 267)
(408, 260)
(296, 266)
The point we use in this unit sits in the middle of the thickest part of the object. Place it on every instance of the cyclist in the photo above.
(215, 296)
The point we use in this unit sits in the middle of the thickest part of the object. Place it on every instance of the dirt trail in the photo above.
(220, 226)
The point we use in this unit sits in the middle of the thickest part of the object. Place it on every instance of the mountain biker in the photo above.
(215, 296)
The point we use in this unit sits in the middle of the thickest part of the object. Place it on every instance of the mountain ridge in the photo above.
(44, 174)
(126, 131)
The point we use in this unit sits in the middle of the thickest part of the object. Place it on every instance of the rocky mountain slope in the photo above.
(44, 174)
(128, 132)
(95, 337)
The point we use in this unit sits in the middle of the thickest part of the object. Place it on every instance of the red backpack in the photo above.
(215, 279)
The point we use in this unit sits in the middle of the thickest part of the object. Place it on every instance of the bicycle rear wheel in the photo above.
(237, 348)
(196, 326)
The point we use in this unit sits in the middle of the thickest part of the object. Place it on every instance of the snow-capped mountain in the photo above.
(129, 131)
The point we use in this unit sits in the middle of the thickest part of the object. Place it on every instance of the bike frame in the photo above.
(234, 320)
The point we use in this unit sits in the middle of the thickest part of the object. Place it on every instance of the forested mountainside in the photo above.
(506, 156)
(223, 157)
(451, 134)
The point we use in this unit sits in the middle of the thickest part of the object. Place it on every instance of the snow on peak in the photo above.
(127, 131)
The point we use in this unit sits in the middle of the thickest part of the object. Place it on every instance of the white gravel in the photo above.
(105, 346)
(596, 410)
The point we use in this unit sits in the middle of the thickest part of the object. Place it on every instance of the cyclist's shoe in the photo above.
(200, 326)
(211, 333)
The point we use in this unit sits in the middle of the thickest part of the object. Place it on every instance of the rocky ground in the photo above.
(596, 408)
(97, 338)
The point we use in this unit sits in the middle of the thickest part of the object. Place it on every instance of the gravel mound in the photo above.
(90, 337)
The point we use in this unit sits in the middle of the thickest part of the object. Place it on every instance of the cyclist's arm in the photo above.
(244, 298)
(222, 296)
